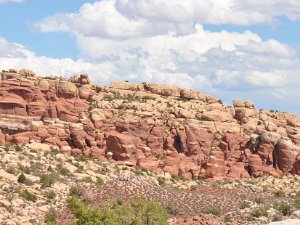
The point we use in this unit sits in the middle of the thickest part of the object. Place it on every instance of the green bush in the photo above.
(227, 218)
(24, 169)
(172, 209)
(135, 211)
(259, 212)
(161, 180)
(244, 205)
(50, 217)
(297, 202)
(87, 180)
(11, 170)
(62, 170)
(22, 178)
(18, 148)
(284, 208)
(212, 210)
(99, 181)
(279, 193)
(259, 200)
(50, 194)
(27, 195)
(76, 191)
(48, 179)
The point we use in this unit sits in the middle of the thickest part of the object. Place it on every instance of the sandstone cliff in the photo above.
(162, 128)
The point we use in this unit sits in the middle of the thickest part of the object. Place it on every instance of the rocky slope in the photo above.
(36, 180)
(165, 129)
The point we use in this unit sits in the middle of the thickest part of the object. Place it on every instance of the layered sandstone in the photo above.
(163, 128)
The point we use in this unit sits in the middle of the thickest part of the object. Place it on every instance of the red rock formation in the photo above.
(159, 127)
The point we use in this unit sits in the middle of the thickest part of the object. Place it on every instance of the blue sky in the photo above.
(231, 49)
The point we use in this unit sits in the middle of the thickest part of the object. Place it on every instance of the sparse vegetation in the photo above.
(50, 194)
(50, 217)
(22, 178)
(48, 179)
(27, 195)
(244, 205)
(62, 170)
(11, 170)
(227, 218)
(213, 210)
(259, 200)
(284, 208)
(76, 191)
(172, 209)
(127, 98)
(161, 180)
(279, 193)
(99, 181)
(259, 212)
(135, 211)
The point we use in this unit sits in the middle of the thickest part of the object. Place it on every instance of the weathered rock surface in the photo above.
(159, 127)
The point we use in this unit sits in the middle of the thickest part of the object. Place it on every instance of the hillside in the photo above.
(161, 128)
(203, 162)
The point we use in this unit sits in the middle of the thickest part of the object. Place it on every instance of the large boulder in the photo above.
(286, 155)
(121, 146)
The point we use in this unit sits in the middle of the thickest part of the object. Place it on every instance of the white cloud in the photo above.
(164, 41)
(125, 18)
(267, 79)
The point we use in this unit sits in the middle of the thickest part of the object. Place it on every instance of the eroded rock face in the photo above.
(162, 128)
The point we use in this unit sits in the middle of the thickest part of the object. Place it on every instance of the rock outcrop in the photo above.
(163, 128)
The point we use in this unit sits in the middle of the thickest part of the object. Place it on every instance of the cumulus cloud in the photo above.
(165, 42)
(125, 18)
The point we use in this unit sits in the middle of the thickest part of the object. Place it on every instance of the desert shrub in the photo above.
(284, 208)
(85, 215)
(279, 193)
(50, 217)
(18, 148)
(62, 170)
(172, 209)
(227, 218)
(259, 200)
(25, 169)
(135, 211)
(54, 151)
(297, 201)
(11, 170)
(104, 171)
(161, 180)
(244, 205)
(27, 195)
(99, 181)
(87, 180)
(22, 178)
(259, 212)
(36, 168)
(48, 179)
(76, 191)
(212, 210)
(50, 194)
(175, 177)
(276, 217)
(7, 147)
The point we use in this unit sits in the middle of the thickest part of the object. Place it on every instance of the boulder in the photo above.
(121, 146)
(67, 89)
(26, 73)
(238, 103)
(84, 79)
